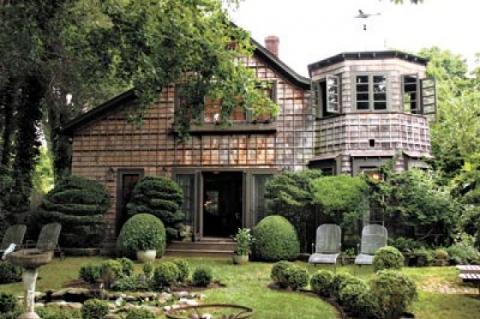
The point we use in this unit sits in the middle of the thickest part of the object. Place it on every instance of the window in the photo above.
(187, 184)
(259, 202)
(419, 95)
(371, 92)
(327, 96)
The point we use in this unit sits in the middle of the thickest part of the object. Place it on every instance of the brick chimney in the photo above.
(271, 43)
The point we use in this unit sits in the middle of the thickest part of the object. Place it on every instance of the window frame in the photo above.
(371, 94)
(321, 110)
(419, 104)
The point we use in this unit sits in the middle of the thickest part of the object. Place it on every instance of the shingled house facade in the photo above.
(326, 122)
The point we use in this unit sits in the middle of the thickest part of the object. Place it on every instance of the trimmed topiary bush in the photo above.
(297, 277)
(127, 266)
(161, 197)
(141, 232)
(350, 290)
(278, 273)
(183, 269)
(424, 257)
(94, 309)
(90, 273)
(202, 276)
(110, 271)
(140, 314)
(79, 205)
(9, 273)
(358, 301)
(388, 257)
(339, 280)
(393, 292)
(441, 257)
(165, 275)
(321, 283)
(275, 239)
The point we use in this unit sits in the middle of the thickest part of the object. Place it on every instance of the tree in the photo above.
(67, 55)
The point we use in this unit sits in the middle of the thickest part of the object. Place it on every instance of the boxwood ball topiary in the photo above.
(183, 269)
(388, 258)
(275, 239)
(79, 205)
(202, 276)
(279, 273)
(165, 275)
(321, 283)
(141, 232)
(162, 197)
(297, 277)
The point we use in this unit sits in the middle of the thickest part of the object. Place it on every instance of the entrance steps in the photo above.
(215, 247)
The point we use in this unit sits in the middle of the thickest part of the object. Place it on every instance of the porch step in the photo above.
(205, 247)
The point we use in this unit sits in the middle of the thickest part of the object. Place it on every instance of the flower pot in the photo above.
(240, 259)
(146, 255)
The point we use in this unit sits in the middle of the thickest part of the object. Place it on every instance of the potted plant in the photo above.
(244, 240)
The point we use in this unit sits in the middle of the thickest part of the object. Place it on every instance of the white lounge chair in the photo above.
(328, 245)
(374, 237)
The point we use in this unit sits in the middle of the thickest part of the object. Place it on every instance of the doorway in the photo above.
(222, 203)
(127, 179)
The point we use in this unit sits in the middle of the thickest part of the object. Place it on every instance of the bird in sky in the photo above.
(363, 15)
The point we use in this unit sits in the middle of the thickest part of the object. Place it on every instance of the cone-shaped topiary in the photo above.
(275, 239)
(141, 232)
(161, 197)
(79, 205)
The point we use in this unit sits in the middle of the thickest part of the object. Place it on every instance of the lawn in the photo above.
(248, 285)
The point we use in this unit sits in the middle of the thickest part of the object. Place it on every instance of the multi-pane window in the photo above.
(259, 202)
(187, 184)
(326, 97)
(419, 95)
(410, 94)
(371, 92)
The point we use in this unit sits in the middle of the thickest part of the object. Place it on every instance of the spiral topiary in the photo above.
(161, 197)
(79, 205)
(275, 239)
(141, 232)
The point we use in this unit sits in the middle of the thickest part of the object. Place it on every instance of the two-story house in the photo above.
(356, 111)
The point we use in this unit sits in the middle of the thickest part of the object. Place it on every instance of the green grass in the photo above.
(248, 285)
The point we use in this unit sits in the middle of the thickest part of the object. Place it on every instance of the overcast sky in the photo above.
(311, 30)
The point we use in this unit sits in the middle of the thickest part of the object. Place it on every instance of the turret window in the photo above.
(371, 92)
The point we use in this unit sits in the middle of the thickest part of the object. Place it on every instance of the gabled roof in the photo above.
(367, 55)
(274, 62)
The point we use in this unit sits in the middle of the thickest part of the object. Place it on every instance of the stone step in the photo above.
(205, 247)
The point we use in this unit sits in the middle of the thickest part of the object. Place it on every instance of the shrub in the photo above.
(110, 270)
(141, 232)
(56, 312)
(405, 245)
(130, 283)
(297, 277)
(463, 253)
(183, 269)
(244, 240)
(275, 239)
(165, 275)
(358, 300)
(441, 257)
(90, 273)
(148, 270)
(161, 197)
(423, 256)
(388, 258)
(202, 276)
(278, 273)
(9, 273)
(321, 283)
(79, 205)
(127, 266)
(8, 302)
(94, 309)
(339, 280)
(140, 314)
(393, 292)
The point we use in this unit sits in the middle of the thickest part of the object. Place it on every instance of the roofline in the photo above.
(367, 55)
(102, 109)
(129, 95)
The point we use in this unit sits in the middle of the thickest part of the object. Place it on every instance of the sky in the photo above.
(311, 30)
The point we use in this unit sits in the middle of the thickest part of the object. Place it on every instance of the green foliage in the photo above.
(94, 309)
(321, 283)
(111, 270)
(8, 302)
(43, 174)
(350, 296)
(463, 252)
(339, 280)
(278, 273)
(79, 205)
(297, 277)
(244, 240)
(57, 312)
(202, 276)
(9, 273)
(90, 273)
(141, 232)
(140, 314)
(405, 245)
(130, 283)
(127, 266)
(275, 239)
(6, 184)
(183, 269)
(165, 275)
(424, 257)
(148, 269)
(441, 257)
(388, 257)
(290, 194)
(341, 198)
(393, 292)
(161, 197)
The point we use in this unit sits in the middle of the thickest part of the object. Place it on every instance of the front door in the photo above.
(127, 179)
(222, 203)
